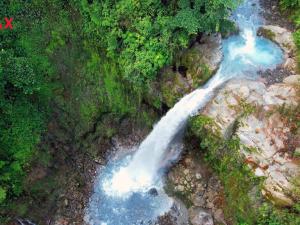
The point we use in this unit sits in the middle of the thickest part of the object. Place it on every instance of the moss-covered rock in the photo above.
(191, 69)
(192, 181)
(267, 33)
(223, 156)
(173, 87)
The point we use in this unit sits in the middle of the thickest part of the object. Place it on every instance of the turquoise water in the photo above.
(245, 59)
(135, 209)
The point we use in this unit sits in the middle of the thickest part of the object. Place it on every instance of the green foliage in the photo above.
(97, 59)
(115, 91)
(24, 93)
(142, 36)
(289, 4)
(268, 215)
(2, 194)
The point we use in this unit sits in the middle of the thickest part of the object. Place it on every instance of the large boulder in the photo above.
(284, 39)
(173, 86)
(264, 119)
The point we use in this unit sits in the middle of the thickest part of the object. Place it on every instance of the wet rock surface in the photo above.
(210, 48)
(280, 36)
(262, 118)
(153, 192)
(284, 39)
(269, 77)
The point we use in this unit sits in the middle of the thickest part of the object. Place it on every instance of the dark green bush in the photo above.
(142, 36)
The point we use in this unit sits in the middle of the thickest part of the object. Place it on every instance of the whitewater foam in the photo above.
(141, 173)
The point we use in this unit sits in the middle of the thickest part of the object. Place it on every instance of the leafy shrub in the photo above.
(268, 215)
(103, 55)
(290, 4)
(24, 91)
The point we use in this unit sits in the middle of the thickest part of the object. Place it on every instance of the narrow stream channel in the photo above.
(130, 191)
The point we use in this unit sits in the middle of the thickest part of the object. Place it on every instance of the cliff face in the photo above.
(249, 135)
(264, 119)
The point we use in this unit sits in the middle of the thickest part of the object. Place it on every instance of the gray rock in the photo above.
(153, 192)
(178, 215)
(198, 200)
(198, 176)
(180, 188)
(199, 216)
(219, 216)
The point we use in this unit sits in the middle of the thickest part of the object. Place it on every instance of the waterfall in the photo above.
(242, 53)
(141, 172)
(121, 190)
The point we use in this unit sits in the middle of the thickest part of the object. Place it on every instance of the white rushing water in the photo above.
(121, 191)
(141, 172)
